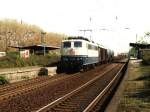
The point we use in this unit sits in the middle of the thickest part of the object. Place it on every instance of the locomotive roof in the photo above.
(82, 38)
(79, 37)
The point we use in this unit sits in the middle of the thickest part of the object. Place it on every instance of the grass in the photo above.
(136, 96)
(133, 105)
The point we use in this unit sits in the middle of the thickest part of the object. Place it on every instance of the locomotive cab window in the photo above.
(67, 44)
(77, 44)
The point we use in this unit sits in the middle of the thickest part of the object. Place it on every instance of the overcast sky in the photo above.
(115, 23)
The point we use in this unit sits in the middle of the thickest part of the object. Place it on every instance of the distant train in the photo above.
(79, 53)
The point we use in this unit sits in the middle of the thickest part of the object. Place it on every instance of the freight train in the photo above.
(80, 53)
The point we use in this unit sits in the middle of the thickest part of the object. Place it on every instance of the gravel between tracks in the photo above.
(34, 99)
(80, 100)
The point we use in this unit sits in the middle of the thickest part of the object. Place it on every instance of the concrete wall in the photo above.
(19, 74)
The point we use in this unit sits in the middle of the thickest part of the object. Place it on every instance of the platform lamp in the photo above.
(7, 39)
(43, 41)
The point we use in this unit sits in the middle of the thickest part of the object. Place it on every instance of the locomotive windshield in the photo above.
(67, 44)
(77, 44)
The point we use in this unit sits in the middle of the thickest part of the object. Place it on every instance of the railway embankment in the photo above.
(25, 73)
(133, 93)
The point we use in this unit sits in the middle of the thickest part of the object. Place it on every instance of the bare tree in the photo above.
(15, 33)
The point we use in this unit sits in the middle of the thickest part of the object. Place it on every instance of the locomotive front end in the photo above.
(73, 54)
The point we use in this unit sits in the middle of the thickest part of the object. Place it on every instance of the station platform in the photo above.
(4, 70)
(126, 98)
(24, 73)
(125, 60)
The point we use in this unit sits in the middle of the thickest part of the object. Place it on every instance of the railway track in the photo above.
(14, 90)
(9, 91)
(20, 84)
(100, 102)
(79, 99)
(31, 99)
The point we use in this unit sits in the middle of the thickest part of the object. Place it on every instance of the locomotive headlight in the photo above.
(79, 59)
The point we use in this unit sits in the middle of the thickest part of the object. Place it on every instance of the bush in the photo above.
(32, 60)
(3, 80)
(43, 72)
(146, 62)
(7, 62)
(14, 60)
(13, 55)
(20, 62)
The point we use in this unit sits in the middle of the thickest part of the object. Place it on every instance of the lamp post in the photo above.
(43, 41)
(6, 41)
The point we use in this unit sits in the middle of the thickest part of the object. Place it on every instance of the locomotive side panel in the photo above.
(93, 56)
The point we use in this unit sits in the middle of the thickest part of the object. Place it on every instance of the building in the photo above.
(138, 47)
(36, 49)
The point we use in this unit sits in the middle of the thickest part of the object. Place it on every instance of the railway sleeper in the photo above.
(67, 107)
(79, 101)
(72, 103)
(60, 110)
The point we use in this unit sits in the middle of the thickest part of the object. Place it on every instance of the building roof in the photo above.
(142, 46)
(36, 47)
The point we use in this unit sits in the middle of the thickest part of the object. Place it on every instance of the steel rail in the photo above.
(59, 100)
(22, 90)
(101, 95)
(19, 85)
